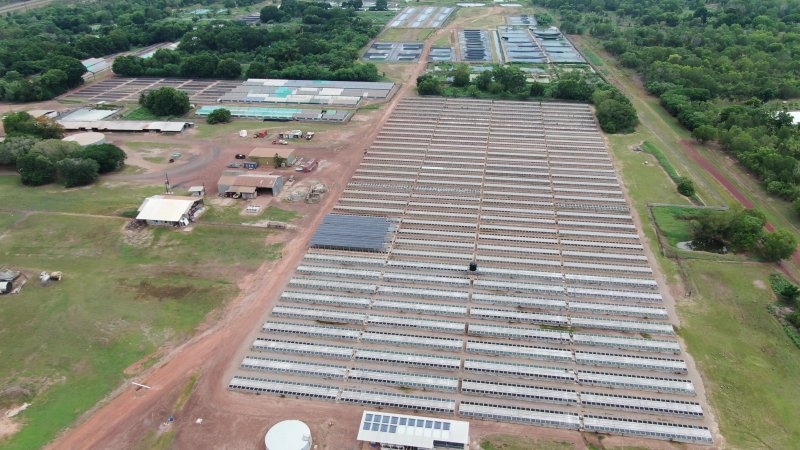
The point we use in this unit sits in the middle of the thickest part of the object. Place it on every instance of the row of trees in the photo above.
(715, 69)
(35, 149)
(741, 231)
(614, 111)
(310, 40)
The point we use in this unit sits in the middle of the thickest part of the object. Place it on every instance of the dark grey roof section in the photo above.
(355, 233)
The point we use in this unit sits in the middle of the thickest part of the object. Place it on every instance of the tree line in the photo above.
(721, 69)
(34, 147)
(614, 111)
(306, 40)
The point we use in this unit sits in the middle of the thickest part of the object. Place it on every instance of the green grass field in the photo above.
(673, 225)
(65, 345)
(231, 214)
(405, 34)
(751, 367)
(508, 442)
(99, 198)
(141, 113)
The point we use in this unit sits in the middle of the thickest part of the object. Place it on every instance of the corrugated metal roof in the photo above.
(165, 209)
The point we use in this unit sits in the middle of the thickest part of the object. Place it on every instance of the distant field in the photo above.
(508, 442)
(100, 198)
(66, 345)
(405, 34)
(231, 214)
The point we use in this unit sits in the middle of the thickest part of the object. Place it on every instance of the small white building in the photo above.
(288, 435)
(170, 210)
(399, 431)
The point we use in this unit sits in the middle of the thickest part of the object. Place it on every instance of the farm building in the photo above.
(412, 432)
(197, 191)
(264, 155)
(171, 210)
(248, 185)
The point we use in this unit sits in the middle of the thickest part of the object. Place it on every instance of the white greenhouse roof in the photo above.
(164, 209)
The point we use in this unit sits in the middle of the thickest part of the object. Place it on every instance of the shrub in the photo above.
(220, 115)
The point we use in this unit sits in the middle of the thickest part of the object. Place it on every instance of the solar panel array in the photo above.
(353, 232)
(561, 325)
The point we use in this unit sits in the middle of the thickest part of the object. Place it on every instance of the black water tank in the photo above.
(473, 266)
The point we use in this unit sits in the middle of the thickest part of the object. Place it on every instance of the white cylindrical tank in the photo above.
(86, 139)
(288, 435)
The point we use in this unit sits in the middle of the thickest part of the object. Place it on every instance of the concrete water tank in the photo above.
(288, 435)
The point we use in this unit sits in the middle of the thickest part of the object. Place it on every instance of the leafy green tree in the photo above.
(257, 70)
(461, 75)
(381, 5)
(429, 86)
(271, 13)
(704, 133)
(778, 245)
(22, 123)
(483, 80)
(108, 157)
(128, 66)
(55, 149)
(616, 116)
(36, 169)
(228, 68)
(538, 89)
(746, 229)
(278, 161)
(511, 78)
(220, 115)
(686, 186)
(571, 89)
(14, 147)
(77, 172)
(166, 101)
(544, 19)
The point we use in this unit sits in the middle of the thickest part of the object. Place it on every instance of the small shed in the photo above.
(265, 155)
(197, 191)
(290, 134)
(5, 287)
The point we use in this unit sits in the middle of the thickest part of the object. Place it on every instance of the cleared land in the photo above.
(528, 191)
(66, 345)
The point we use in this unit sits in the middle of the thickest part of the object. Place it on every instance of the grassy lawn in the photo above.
(142, 113)
(751, 367)
(378, 17)
(66, 345)
(7, 219)
(100, 198)
(672, 224)
(508, 442)
(405, 34)
(231, 214)
(443, 40)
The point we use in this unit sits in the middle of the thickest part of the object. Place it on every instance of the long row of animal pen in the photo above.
(558, 320)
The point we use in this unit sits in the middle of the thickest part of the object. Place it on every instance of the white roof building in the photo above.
(167, 210)
(422, 433)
